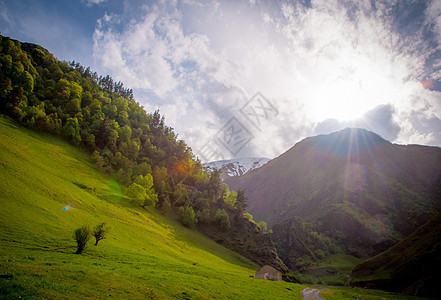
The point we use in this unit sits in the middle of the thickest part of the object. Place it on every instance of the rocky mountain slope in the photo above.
(353, 187)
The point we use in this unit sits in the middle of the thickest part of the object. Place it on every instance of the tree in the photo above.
(145, 181)
(100, 232)
(82, 236)
(180, 195)
(222, 219)
(241, 200)
(71, 130)
(150, 197)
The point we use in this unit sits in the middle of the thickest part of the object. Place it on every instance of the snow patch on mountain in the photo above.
(237, 166)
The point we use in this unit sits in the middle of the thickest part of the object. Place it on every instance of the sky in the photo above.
(252, 78)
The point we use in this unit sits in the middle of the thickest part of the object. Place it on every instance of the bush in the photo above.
(82, 236)
(262, 225)
(100, 232)
(289, 278)
(187, 216)
(136, 193)
(151, 198)
(166, 207)
(319, 254)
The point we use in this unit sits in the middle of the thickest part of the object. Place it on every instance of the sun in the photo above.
(347, 93)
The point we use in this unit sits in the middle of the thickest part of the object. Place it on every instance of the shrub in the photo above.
(82, 236)
(262, 225)
(151, 198)
(319, 254)
(136, 193)
(166, 207)
(204, 216)
(187, 216)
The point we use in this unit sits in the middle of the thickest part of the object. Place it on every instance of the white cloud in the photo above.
(199, 64)
(136, 54)
(433, 12)
(94, 2)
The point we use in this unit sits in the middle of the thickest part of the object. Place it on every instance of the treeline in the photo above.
(101, 116)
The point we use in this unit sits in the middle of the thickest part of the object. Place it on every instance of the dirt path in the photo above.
(311, 294)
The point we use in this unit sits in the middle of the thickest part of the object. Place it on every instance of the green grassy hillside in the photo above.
(144, 256)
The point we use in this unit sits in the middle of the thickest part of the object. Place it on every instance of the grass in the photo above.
(362, 294)
(341, 260)
(49, 188)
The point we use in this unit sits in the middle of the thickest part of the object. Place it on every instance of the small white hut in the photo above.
(269, 273)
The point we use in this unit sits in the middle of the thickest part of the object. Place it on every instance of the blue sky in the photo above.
(318, 66)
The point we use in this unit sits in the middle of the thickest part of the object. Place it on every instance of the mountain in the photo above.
(412, 266)
(237, 166)
(352, 187)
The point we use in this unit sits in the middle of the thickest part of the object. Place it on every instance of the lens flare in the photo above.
(68, 207)
(114, 191)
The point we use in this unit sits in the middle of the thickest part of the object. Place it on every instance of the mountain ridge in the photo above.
(360, 190)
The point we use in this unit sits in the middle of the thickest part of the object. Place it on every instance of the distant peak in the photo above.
(348, 140)
(237, 166)
(353, 134)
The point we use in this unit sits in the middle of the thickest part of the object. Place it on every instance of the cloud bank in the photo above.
(324, 65)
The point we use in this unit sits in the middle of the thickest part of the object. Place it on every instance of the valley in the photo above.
(145, 256)
(77, 151)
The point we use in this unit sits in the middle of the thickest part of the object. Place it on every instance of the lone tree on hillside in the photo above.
(82, 236)
(100, 232)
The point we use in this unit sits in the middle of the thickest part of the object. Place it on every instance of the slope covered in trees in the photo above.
(138, 149)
